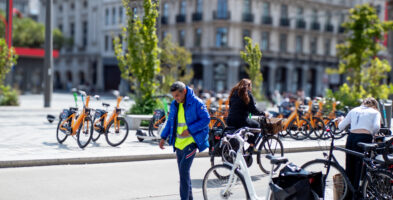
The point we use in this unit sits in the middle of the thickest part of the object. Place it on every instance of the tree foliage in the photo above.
(252, 56)
(174, 61)
(139, 64)
(7, 59)
(28, 33)
(359, 54)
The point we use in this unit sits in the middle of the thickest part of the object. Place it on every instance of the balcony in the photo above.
(341, 29)
(301, 24)
(284, 22)
(268, 20)
(196, 17)
(329, 28)
(248, 17)
(164, 20)
(180, 18)
(315, 26)
(221, 15)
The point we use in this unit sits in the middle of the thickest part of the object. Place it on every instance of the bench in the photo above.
(134, 121)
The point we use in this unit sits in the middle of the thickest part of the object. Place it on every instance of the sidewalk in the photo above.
(28, 139)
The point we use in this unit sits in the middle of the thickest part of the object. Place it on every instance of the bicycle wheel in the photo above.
(96, 134)
(270, 145)
(320, 165)
(336, 132)
(318, 129)
(378, 186)
(216, 122)
(84, 132)
(230, 187)
(301, 130)
(61, 136)
(221, 155)
(154, 124)
(117, 133)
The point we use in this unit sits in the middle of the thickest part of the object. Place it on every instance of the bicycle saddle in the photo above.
(73, 109)
(367, 147)
(105, 104)
(275, 160)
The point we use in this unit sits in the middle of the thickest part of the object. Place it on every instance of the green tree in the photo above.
(252, 56)
(28, 33)
(359, 53)
(174, 61)
(140, 64)
(7, 59)
(8, 96)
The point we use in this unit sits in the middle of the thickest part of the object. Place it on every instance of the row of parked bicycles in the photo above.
(89, 124)
(322, 178)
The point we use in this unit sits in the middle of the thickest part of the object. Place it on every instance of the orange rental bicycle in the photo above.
(317, 123)
(115, 127)
(73, 125)
(296, 126)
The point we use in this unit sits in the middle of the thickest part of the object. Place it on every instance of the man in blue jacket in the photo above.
(188, 129)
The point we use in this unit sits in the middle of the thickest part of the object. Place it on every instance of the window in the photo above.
(85, 4)
(314, 16)
(60, 27)
(313, 45)
(221, 37)
(283, 42)
(114, 15)
(299, 44)
(120, 15)
(246, 33)
(328, 17)
(72, 30)
(107, 16)
(183, 7)
(222, 9)
(327, 47)
(181, 38)
(300, 12)
(265, 41)
(72, 6)
(106, 43)
(284, 11)
(247, 6)
(165, 11)
(60, 8)
(84, 33)
(198, 37)
(199, 6)
(135, 11)
(266, 9)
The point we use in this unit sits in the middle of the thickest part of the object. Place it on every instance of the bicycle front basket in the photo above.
(65, 114)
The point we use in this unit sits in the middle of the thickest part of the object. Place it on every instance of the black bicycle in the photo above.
(266, 143)
(376, 181)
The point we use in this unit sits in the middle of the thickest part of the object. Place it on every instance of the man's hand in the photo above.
(185, 133)
(162, 142)
(339, 119)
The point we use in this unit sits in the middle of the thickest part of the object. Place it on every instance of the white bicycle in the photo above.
(235, 181)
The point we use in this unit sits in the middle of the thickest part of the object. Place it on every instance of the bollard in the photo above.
(388, 110)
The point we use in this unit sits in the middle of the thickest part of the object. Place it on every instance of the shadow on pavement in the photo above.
(61, 146)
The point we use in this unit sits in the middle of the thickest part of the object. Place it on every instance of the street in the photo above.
(156, 180)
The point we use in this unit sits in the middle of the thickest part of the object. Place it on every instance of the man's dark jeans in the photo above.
(184, 162)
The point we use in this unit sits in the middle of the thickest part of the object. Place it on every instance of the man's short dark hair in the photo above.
(178, 86)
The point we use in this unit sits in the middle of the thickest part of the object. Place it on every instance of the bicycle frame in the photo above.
(81, 119)
(293, 115)
(241, 165)
(113, 116)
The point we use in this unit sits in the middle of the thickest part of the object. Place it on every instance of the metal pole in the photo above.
(48, 62)
(8, 27)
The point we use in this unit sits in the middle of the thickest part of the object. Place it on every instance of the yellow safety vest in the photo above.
(182, 142)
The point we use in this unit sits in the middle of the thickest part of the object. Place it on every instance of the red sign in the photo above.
(32, 52)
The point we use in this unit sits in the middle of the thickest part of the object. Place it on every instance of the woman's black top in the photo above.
(239, 111)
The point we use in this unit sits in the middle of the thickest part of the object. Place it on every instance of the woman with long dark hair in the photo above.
(241, 104)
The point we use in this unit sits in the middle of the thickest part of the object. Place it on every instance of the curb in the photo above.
(131, 158)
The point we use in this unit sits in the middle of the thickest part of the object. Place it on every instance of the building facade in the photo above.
(297, 39)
